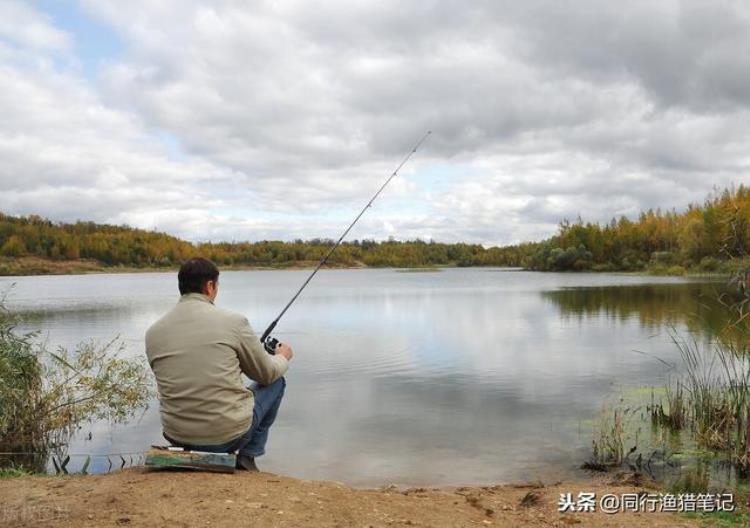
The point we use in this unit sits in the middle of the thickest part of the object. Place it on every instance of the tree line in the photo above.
(125, 246)
(702, 237)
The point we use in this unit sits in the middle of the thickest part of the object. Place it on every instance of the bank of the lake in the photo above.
(138, 498)
(35, 266)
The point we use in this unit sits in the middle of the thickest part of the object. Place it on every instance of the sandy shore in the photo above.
(184, 499)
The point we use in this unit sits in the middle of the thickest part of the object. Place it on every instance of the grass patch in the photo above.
(14, 472)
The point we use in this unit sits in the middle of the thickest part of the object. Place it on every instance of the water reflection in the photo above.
(462, 376)
(695, 304)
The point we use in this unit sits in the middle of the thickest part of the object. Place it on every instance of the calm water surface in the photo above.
(458, 376)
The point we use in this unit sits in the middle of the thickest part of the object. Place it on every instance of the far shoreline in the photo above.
(38, 267)
(34, 267)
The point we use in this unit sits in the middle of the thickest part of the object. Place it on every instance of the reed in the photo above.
(608, 444)
(711, 401)
(674, 416)
(46, 396)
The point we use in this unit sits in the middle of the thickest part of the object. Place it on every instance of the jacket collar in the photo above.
(195, 297)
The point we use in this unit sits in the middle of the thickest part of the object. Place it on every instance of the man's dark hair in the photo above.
(195, 273)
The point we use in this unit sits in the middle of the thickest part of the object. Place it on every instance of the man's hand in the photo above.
(282, 349)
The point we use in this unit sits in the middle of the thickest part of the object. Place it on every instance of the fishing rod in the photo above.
(270, 343)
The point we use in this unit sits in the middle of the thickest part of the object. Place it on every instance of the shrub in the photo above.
(664, 258)
(45, 396)
(657, 269)
(676, 270)
(603, 267)
(708, 264)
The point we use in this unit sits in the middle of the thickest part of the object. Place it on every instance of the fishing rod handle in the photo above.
(270, 343)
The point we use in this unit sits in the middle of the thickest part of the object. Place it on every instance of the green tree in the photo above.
(13, 247)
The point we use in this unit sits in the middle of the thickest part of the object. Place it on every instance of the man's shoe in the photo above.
(246, 463)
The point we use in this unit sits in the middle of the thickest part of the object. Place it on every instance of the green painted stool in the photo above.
(167, 457)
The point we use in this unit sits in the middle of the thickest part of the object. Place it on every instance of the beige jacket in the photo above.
(197, 352)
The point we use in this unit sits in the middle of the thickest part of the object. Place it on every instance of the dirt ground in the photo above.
(184, 499)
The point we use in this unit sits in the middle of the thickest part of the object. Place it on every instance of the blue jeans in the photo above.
(253, 442)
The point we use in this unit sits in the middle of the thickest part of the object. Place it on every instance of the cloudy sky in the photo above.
(236, 120)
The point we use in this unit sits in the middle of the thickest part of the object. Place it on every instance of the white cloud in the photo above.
(288, 115)
(26, 27)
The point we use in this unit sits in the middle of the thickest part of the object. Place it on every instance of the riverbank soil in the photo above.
(185, 499)
(40, 266)
(20, 266)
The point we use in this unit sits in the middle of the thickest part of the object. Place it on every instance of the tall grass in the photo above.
(21, 388)
(46, 396)
(616, 440)
(609, 445)
(712, 399)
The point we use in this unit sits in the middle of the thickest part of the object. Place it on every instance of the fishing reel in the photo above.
(270, 344)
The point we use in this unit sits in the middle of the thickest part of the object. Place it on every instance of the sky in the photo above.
(234, 120)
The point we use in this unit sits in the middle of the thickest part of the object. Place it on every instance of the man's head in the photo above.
(199, 275)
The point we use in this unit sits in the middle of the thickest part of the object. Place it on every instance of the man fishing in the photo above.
(198, 352)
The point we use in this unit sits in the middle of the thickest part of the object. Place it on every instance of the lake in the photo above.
(469, 375)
